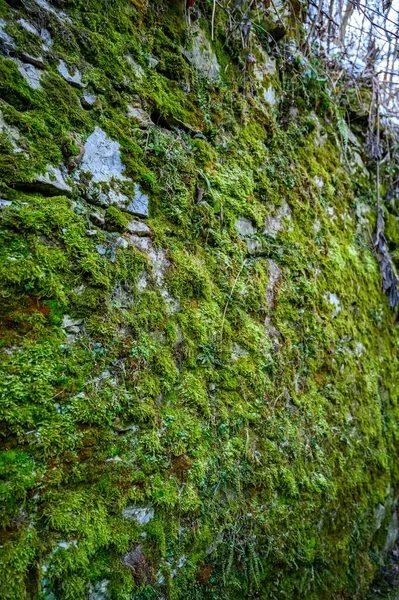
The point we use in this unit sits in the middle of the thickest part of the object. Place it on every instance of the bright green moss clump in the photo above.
(208, 408)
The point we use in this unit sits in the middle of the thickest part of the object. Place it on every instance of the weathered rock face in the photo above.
(102, 166)
(198, 368)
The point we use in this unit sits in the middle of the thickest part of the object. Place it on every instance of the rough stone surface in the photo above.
(88, 99)
(274, 223)
(31, 73)
(202, 57)
(270, 96)
(37, 61)
(11, 133)
(75, 80)
(136, 561)
(246, 230)
(334, 300)
(99, 591)
(6, 42)
(140, 116)
(60, 14)
(141, 515)
(139, 228)
(102, 161)
(393, 532)
(51, 183)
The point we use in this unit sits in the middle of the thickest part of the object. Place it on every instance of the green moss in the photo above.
(223, 390)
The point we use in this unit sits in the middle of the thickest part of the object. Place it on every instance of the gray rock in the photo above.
(140, 116)
(140, 515)
(139, 205)
(274, 223)
(88, 99)
(138, 70)
(46, 39)
(5, 203)
(6, 42)
(28, 27)
(269, 96)
(60, 14)
(91, 232)
(75, 80)
(246, 230)
(121, 242)
(238, 352)
(334, 301)
(31, 73)
(36, 61)
(11, 133)
(202, 57)
(51, 183)
(158, 257)
(379, 515)
(102, 161)
(393, 532)
(245, 227)
(319, 182)
(71, 326)
(152, 61)
(142, 281)
(139, 228)
(102, 158)
(97, 218)
(275, 275)
(98, 591)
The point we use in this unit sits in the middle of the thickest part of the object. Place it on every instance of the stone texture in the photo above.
(274, 223)
(60, 14)
(140, 515)
(88, 99)
(136, 561)
(246, 230)
(75, 80)
(99, 591)
(334, 301)
(51, 183)
(37, 61)
(139, 115)
(6, 42)
(102, 161)
(31, 73)
(139, 228)
(202, 57)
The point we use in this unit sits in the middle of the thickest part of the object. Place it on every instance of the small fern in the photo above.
(343, 130)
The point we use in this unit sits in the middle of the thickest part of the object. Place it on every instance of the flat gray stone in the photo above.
(202, 57)
(51, 183)
(140, 515)
(246, 230)
(75, 80)
(140, 116)
(102, 160)
(36, 61)
(6, 42)
(88, 99)
(139, 205)
(139, 228)
(245, 227)
(99, 591)
(274, 223)
(29, 27)
(31, 73)
(60, 14)
(5, 203)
